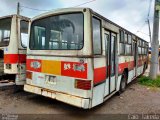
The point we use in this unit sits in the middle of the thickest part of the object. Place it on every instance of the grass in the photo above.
(149, 82)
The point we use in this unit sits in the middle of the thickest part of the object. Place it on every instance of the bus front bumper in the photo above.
(66, 98)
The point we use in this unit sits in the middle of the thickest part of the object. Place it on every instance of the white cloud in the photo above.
(130, 14)
(6, 8)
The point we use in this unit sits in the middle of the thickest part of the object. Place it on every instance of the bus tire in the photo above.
(123, 84)
(144, 68)
(18, 88)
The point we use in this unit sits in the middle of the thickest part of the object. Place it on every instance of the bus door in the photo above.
(135, 57)
(110, 50)
(23, 35)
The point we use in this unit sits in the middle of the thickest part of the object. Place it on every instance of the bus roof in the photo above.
(19, 16)
(65, 10)
(61, 10)
(116, 25)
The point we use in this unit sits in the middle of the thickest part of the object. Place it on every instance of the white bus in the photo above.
(81, 58)
(13, 41)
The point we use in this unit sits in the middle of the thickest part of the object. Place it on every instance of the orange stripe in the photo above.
(51, 67)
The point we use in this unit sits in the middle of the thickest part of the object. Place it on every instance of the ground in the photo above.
(136, 99)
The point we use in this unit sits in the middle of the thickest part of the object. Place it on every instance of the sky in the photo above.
(130, 14)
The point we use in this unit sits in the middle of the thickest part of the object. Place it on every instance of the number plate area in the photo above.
(51, 80)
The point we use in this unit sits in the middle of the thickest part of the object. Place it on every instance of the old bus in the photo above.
(13, 41)
(81, 58)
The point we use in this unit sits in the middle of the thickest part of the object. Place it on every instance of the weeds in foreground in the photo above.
(147, 81)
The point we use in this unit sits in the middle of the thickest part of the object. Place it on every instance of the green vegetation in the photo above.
(149, 82)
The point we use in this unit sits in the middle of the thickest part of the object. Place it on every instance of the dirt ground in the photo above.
(136, 99)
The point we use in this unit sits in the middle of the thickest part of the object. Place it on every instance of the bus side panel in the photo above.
(21, 76)
(99, 81)
(98, 94)
(127, 62)
(11, 52)
(131, 69)
(118, 82)
(140, 65)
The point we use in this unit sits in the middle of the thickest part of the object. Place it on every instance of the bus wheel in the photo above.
(144, 68)
(123, 84)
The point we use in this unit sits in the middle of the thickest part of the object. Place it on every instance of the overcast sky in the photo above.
(130, 14)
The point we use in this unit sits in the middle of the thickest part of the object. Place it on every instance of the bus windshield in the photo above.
(60, 32)
(5, 30)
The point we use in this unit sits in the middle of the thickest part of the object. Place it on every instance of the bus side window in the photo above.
(139, 47)
(129, 45)
(97, 44)
(5, 31)
(122, 44)
(24, 32)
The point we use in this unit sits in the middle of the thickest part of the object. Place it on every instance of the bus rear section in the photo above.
(13, 39)
(59, 65)
(64, 79)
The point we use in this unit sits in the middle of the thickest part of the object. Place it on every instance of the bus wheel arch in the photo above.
(144, 67)
(123, 83)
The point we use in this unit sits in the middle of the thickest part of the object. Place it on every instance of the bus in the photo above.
(79, 57)
(13, 41)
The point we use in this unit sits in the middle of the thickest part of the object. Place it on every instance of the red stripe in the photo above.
(73, 71)
(99, 75)
(130, 65)
(14, 58)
